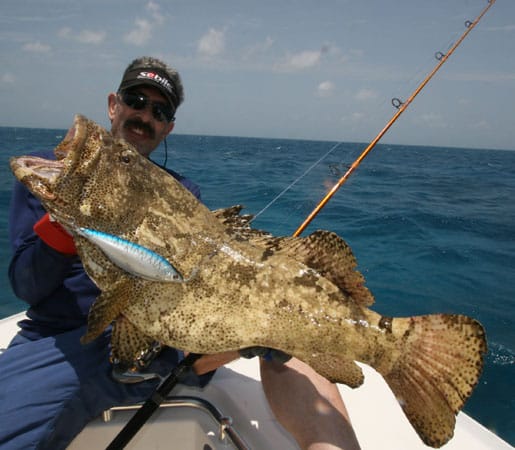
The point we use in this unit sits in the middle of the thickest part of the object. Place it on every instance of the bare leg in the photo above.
(308, 406)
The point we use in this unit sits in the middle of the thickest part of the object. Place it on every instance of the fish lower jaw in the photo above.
(32, 166)
(38, 173)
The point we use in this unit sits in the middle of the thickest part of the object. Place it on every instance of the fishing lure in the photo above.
(135, 259)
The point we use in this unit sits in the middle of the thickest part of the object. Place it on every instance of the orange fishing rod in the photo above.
(401, 108)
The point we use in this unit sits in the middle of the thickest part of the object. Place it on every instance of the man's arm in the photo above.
(209, 363)
(35, 269)
(308, 406)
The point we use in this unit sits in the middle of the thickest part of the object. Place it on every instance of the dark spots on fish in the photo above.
(283, 303)
(153, 222)
(309, 280)
(243, 274)
(386, 323)
(188, 319)
(266, 254)
(273, 245)
(336, 297)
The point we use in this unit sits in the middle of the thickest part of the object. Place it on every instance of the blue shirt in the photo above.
(56, 286)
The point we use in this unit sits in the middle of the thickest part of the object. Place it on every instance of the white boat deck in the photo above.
(236, 392)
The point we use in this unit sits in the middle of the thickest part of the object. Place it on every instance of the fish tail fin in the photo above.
(439, 364)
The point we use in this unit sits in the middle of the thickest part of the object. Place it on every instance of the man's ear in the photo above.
(170, 128)
(111, 105)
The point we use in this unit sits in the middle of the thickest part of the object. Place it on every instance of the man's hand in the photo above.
(268, 354)
(54, 235)
(207, 363)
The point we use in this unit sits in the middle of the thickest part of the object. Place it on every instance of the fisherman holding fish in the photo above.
(52, 385)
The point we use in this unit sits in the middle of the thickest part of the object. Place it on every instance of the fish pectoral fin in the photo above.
(128, 343)
(97, 265)
(440, 363)
(106, 308)
(329, 255)
(335, 369)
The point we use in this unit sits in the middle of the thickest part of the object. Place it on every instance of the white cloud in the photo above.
(143, 29)
(258, 48)
(155, 11)
(64, 32)
(141, 34)
(36, 47)
(481, 125)
(365, 94)
(353, 117)
(308, 58)
(84, 36)
(212, 43)
(300, 61)
(91, 37)
(7, 78)
(505, 28)
(325, 89)
(431, 120)
(356, 53)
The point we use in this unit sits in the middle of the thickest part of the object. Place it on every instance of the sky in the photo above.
(296, 69)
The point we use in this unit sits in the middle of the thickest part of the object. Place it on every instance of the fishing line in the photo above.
(401, 107)
(166, 152)
(277, 197)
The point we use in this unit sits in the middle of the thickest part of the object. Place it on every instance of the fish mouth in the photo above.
(41, 175)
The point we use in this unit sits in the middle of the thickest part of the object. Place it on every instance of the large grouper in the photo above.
(174, 272)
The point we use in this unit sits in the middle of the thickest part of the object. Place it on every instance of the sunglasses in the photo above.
(161, 111)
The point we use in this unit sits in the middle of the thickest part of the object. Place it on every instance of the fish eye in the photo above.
(125, 157)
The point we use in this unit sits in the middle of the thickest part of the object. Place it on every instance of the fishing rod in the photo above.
(401, 107)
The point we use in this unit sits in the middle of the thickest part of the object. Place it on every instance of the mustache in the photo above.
(137, 122)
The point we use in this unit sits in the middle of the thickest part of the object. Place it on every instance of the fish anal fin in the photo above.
(335, 369)
(106, 308)
(440, 363)
(128, 343)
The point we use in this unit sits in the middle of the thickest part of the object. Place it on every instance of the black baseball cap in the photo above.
(151, 76)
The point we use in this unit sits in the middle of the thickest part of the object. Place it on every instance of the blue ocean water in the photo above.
(433, 229)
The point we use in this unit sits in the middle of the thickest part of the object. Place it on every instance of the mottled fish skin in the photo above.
(303, 296)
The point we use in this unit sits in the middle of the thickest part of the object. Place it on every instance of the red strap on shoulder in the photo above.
(55, 236)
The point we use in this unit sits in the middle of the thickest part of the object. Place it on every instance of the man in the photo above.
(51, 385)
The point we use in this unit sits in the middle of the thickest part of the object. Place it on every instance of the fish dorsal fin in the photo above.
(232, 215)
(323, 251)
(238, 225)
(328, 254)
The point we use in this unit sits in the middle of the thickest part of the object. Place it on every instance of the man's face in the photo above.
(138, 126)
